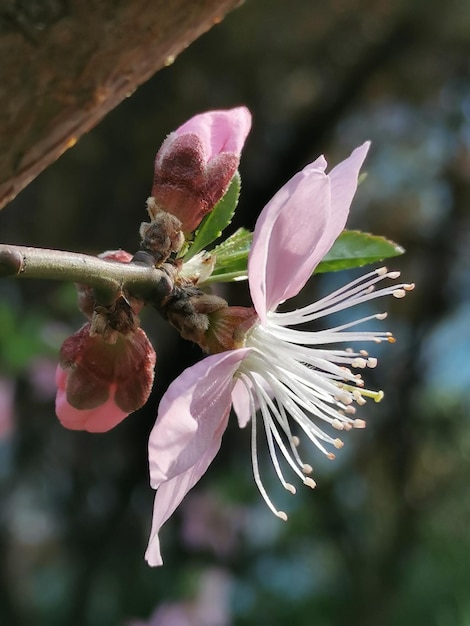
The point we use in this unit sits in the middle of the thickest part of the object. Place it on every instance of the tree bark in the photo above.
(66, 63)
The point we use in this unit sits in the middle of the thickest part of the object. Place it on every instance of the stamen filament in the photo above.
(254, 462)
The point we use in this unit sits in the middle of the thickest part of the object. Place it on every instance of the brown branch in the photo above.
(67, 63)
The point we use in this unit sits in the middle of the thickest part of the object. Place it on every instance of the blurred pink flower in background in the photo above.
(210, 607)
(210, 522)
(42, 372)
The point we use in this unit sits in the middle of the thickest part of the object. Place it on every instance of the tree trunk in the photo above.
(66, 63)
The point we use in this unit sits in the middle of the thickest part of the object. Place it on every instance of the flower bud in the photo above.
(100, 383)
(196, 163)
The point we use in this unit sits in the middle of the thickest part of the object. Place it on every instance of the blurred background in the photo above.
(384, 539)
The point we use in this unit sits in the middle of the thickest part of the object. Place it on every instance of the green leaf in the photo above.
(219, 218)
(232, 257)
(354, 248)
(233, 249)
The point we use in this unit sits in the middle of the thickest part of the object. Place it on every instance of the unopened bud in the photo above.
(196, 163)
(100, 383)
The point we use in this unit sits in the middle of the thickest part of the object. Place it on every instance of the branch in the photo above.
(109, 277)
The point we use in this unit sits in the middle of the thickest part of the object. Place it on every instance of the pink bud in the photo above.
(196, 163)
(100, 383)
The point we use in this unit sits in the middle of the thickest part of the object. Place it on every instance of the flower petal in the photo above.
(286, 235)
(134, 371)
(241, 403)
(170, 494)
(220, 131)
(343, 182)
(192, 414)
(242, 399)
(95, 420)
(297, 228)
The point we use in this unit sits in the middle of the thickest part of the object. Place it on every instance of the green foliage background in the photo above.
(384, 538)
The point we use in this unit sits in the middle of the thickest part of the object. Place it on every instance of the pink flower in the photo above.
(196, 163)
(282, 376)
(106, 368)
(100, 383)
(209, 606)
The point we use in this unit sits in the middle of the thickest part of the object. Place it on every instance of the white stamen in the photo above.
(310, 482)
(361, 363)
(254, 463)
(303, 379)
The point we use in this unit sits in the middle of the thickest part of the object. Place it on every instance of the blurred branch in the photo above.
(8, 609)
(310, 133)
(69, 62)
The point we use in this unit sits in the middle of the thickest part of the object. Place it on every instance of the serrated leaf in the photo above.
(354, 248)
(232, 257)
(234, 248)
(217, 220)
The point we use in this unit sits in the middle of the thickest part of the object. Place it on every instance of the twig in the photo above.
(108, 277)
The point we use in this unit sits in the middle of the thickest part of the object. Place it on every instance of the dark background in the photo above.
(384, 538)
